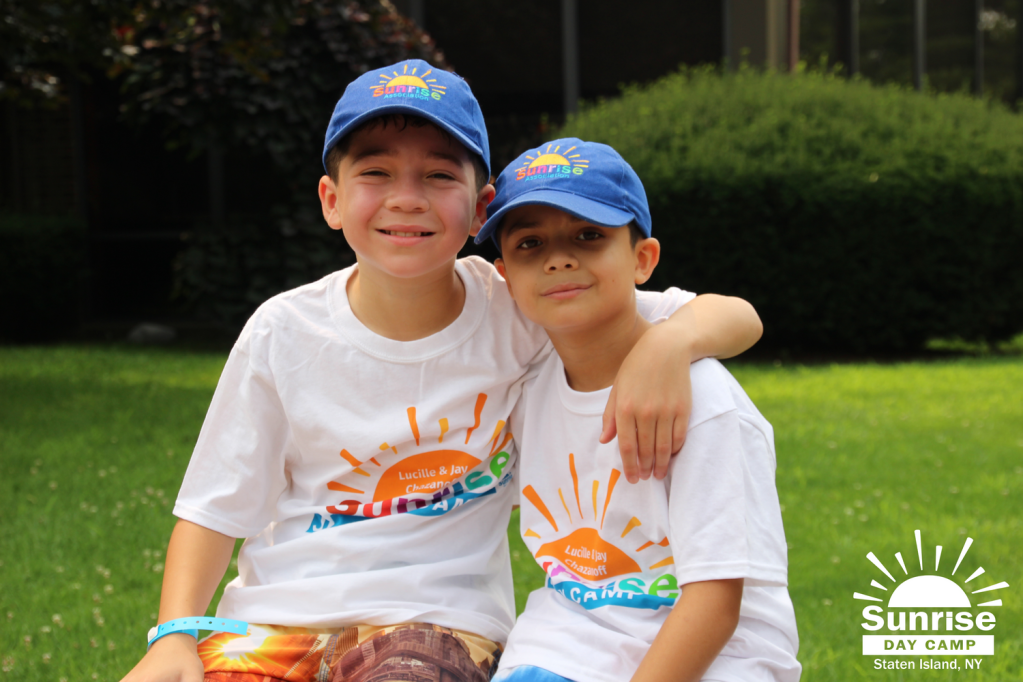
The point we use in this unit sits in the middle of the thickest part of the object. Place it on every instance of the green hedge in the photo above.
(223, 276)
(854, 217)
(42, 276)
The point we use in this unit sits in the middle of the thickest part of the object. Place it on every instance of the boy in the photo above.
(682, 579)
(357, 438)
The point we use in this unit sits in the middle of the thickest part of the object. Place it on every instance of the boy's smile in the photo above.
(406, 199)
(561, 292)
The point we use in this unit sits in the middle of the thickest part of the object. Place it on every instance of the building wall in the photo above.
(510, 52)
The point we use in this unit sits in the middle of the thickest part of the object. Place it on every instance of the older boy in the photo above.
(682, 579)
(358, 439)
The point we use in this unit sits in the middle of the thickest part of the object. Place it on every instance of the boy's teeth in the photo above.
(395, 233)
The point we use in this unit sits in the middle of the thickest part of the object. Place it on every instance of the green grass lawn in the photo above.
(94, 441)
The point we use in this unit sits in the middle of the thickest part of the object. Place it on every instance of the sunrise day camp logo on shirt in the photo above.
(435, 481)
(552, 163)
(594, 554)
(407, 85)
(930, 614)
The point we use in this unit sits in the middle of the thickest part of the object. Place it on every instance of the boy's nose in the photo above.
(407, 196)
(561, 259)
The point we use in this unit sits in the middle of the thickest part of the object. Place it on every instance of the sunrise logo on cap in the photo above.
(408, 85)
(552, 164)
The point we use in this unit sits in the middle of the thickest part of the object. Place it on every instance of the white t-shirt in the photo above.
(351, 462)
(615, 553)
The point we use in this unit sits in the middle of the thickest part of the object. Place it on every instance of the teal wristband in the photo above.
(191, 626)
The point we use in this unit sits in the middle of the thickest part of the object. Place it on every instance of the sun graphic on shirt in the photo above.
(407, 79)
(555, 157)
(584, 551)
(421, 473)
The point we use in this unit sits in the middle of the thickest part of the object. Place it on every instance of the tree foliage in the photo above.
(259, 73)
(44, 43)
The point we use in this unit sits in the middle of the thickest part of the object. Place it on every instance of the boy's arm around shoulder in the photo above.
(197, 558)
(699, 626)
(651, 400)
(717, 326)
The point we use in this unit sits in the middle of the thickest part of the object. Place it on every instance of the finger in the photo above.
(646, 441)
(678, 434)
(609, 428)
(627, 446)
(662, 447)
(682, 411)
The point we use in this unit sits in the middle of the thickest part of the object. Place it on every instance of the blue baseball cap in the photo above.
(586, 179)
(411, 87)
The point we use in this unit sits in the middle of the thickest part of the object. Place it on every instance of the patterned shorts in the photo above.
(415, 652)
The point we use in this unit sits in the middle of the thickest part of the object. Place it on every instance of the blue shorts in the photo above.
(528, 673)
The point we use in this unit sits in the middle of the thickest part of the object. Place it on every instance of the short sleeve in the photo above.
(658, 305)
(517, 419)
(724, 516)
(237, 470)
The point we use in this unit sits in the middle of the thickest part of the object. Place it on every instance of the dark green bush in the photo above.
(223, 276)
(854, 217)
(42, 272)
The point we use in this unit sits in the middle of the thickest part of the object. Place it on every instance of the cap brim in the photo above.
(403, 109)
(581, 207)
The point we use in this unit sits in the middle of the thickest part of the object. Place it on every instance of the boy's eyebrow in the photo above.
(520, 224)
(527, 223)
(453, 158)
(372, 151)
(387, 151)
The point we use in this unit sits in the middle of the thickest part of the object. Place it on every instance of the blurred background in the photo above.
(849, 166)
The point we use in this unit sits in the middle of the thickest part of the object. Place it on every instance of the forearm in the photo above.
(714, 326)
(197, 559)
(699, 626)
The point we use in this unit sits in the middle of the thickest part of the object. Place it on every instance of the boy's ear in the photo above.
(483, 199)
(648, 254)
(329, 202)
(503, 271)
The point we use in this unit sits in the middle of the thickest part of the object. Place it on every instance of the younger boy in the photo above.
(682, 579)
(357, 439)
